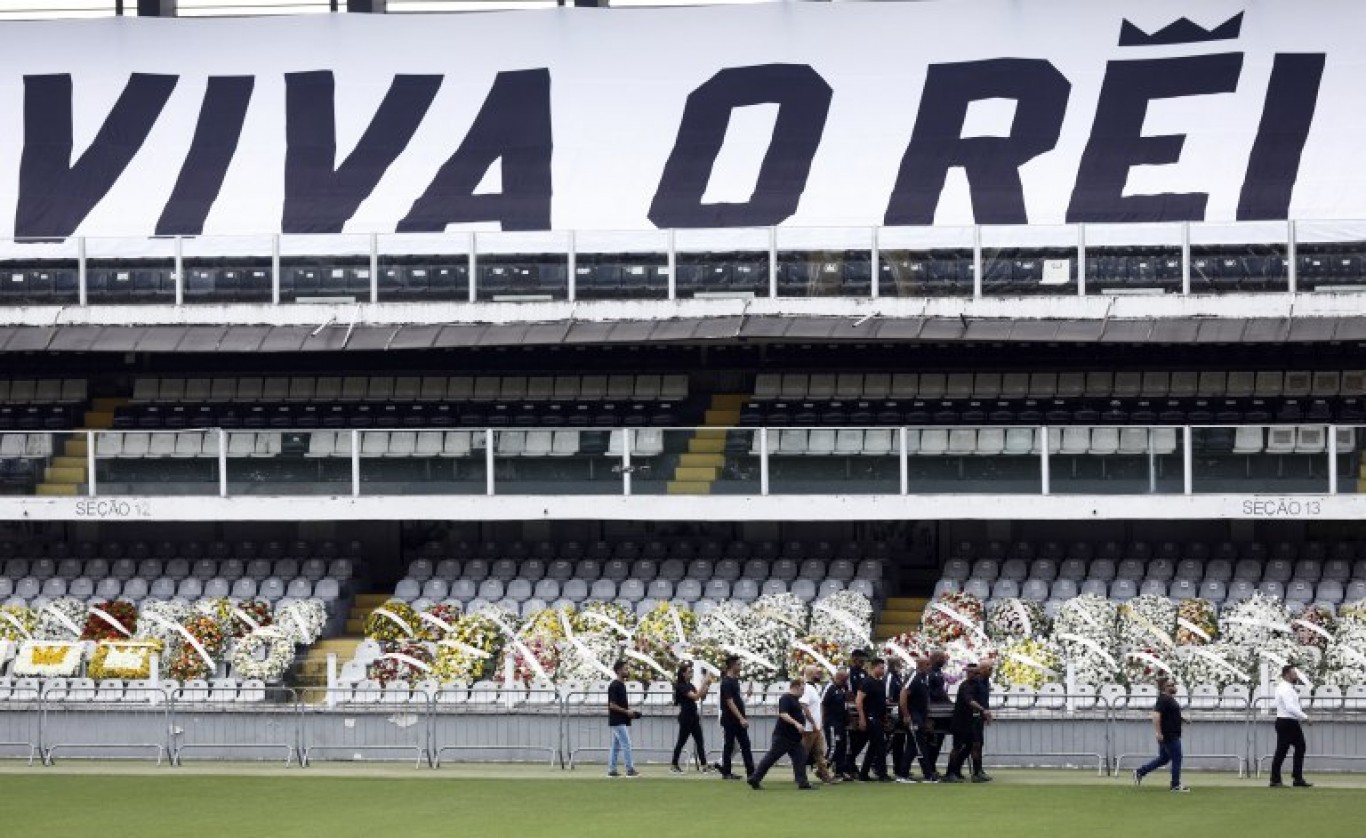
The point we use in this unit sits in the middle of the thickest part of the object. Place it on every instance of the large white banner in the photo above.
(850, 114)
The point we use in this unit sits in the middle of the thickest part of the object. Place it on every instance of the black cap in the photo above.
(860, 653)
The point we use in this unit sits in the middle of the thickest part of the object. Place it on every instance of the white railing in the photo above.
(1072, 260)
(1310, 460)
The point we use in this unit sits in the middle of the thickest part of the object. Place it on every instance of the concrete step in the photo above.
(691, 473)
(730, 401)
(900, 614)
(75, 446)
(99, 420)
(70, 462)
(712, 461)
(107, 404)
(688, 487)
(371, 601)
(710, 433)
(722, 418)
(58, 474)
(57, 489)
(697, 445)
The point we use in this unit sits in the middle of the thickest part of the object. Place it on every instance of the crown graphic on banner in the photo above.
(1181, 31)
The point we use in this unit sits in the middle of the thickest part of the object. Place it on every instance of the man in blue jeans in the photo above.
(619, 716)
(1167, 726)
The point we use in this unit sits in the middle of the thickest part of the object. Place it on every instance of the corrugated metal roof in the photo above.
(335, 337)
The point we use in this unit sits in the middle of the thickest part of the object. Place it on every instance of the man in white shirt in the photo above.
(813, 736)
(1288, 732)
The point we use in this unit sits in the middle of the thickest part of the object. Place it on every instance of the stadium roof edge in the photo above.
(373, 338)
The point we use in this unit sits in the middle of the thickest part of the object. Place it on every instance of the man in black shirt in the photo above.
(915, 709)
(979, 737)
(857, 738)
(966, 712)
(619, 716)
(835, 720)
(941, 708)
(787, 739)
(896, 722)
(872, 715)
(1167, 727)
(734, 722)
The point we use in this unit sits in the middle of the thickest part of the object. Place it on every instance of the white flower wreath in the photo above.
(279, 654)
(302, 620)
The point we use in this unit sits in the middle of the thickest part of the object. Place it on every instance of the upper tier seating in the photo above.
(1083, 398)
(1313, 572)
(528, 576)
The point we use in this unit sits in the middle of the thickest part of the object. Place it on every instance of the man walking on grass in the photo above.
(619, 716)
(734, 722)
(813, 734)
(1167, 722)
(871, 703)
(787, 739)
(1289, 734)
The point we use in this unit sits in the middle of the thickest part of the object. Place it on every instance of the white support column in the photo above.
(977, 260)
(1292, 274)
(90, 463)
(763, 461)
(875, 264)
(355, 463)
(179, 271)
(374, 267)
(628, 439)
(331, 680)
(1152, 464)
(772, 262)
(222, 463)
(673, 266)
(474, 266)
(571, 262)
(1332, 459)
(82, 274)
(488, 461)
(1187, 465)
(1045, 478)
(1185, 257)
(275, 270)
(1081, 260)
(902, 435)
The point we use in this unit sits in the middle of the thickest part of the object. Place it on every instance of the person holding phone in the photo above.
(687, 698)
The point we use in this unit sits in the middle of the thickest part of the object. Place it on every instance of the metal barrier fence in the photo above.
(79, 729)
(200, 723)
(382, 729)
(569, 729)
(509, 722)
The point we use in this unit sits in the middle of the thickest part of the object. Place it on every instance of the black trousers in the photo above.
(918, 746)
(1289, 735)
(734, 735)
(837, 747)
(935, 731)
(690, 727)
(790, 748)
(963, 741)
(899, 743)
(858, 740)
(875, 761)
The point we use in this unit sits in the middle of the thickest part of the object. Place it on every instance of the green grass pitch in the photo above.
(371, 801)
